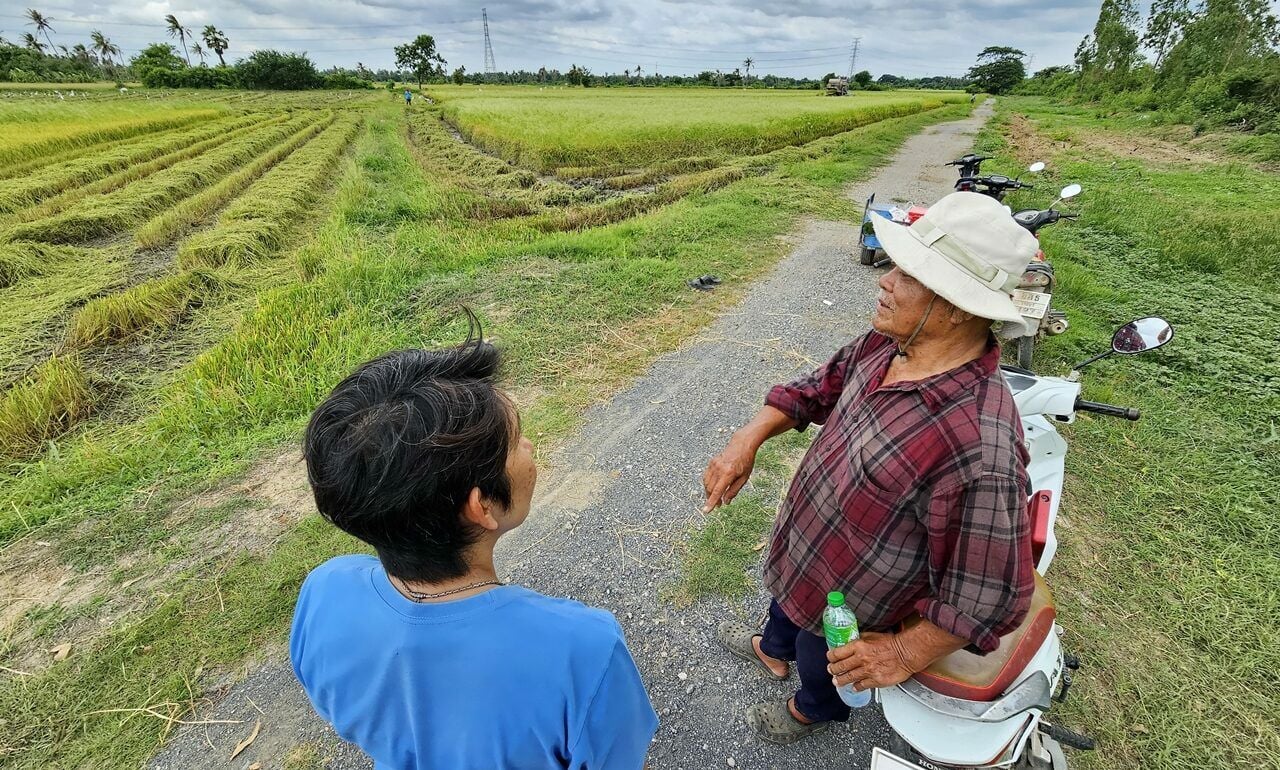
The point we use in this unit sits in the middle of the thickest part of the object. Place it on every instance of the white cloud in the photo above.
(787, 37)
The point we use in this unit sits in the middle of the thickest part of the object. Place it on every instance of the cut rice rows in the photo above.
(134, 227)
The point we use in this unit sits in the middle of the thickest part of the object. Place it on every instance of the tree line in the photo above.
(1210, 63)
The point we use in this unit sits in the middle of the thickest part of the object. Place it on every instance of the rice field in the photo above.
(106, 195)
(547, 129)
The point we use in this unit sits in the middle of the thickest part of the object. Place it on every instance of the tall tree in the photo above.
(638, 75)
(42, 24)
(746, 64)
(32, 42)
(1114, 49)
(177, 30)
(1164, 26)
(216, 41)
(998, 69)
(103, 47)
(198, 51)
(421, 58)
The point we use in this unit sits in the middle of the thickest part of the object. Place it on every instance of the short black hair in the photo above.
(394, 451)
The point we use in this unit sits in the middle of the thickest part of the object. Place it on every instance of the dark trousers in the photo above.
(817, 698)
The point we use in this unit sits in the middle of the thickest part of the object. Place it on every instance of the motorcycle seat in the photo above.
(986, 677)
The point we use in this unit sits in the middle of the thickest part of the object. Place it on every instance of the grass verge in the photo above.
(721, 553)
(1168, 577)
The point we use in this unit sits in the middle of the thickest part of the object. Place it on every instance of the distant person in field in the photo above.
(422, 656)
(408, 97)
(912, 501)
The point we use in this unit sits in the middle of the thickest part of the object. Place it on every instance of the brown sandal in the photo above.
(736, 638)
(774, 722)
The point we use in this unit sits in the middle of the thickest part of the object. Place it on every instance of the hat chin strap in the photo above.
(902, 346)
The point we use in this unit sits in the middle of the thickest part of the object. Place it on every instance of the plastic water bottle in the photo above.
(840, 626)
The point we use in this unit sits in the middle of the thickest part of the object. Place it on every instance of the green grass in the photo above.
(1168, 578)
(723, 552)
(578, 313)
(544, 129)
(41, 407)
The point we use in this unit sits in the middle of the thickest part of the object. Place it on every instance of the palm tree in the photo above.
(81, 54)
(104, 47)
(177, 30)
(638, 75)
(32, 42)
(215, 41)
(42, 24)
(747, 63)
(198, 51)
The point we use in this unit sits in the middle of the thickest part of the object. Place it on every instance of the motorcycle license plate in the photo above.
(883, 760)
(1031, 304)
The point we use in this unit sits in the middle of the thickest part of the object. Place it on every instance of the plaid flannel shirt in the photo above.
(913, 498)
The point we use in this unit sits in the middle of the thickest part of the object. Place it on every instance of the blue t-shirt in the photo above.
(505, 679)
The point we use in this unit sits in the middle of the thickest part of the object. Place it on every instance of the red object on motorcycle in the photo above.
(963, 674)
(1038, 512)
(915, 212)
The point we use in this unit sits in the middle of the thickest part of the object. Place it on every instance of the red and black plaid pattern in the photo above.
(912, 498)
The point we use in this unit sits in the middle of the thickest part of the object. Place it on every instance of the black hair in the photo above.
(394, 451)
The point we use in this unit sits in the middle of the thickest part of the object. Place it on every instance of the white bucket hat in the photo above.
(970, 252)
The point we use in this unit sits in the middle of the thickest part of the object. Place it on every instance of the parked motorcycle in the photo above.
(1034, 292)
(970, 711)
(870, 251)
(995, 185)
(970, 165)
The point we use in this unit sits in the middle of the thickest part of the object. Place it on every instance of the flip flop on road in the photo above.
(736, 638)
(703, 283)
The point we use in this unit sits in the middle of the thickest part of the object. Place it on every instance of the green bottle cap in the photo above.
(835, 599)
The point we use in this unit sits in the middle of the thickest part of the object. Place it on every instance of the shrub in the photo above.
(274, 70)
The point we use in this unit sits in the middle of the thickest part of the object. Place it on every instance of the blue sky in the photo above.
(786, 37)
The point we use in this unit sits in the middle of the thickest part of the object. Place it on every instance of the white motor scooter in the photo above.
(987, 711)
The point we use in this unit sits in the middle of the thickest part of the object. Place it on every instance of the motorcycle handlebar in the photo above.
(1124, 412)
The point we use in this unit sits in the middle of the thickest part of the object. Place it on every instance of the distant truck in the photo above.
(838, 87)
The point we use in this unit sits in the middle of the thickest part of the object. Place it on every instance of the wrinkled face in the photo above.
(901, 304)
(522, 472)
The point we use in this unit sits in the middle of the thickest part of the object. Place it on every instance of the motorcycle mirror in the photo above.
(1141, 335)
(1069, 192)
(1036, 167)
(1134, 337)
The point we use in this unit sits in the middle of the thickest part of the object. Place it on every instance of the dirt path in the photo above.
(620, 495)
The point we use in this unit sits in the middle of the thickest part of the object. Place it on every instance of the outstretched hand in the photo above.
(728, 472)
(874, 660)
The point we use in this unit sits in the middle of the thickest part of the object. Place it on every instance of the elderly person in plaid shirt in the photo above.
(913, 497)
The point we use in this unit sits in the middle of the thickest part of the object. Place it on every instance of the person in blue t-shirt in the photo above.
(422, 657)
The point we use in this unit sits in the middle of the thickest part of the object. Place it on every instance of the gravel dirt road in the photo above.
(618, 498)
